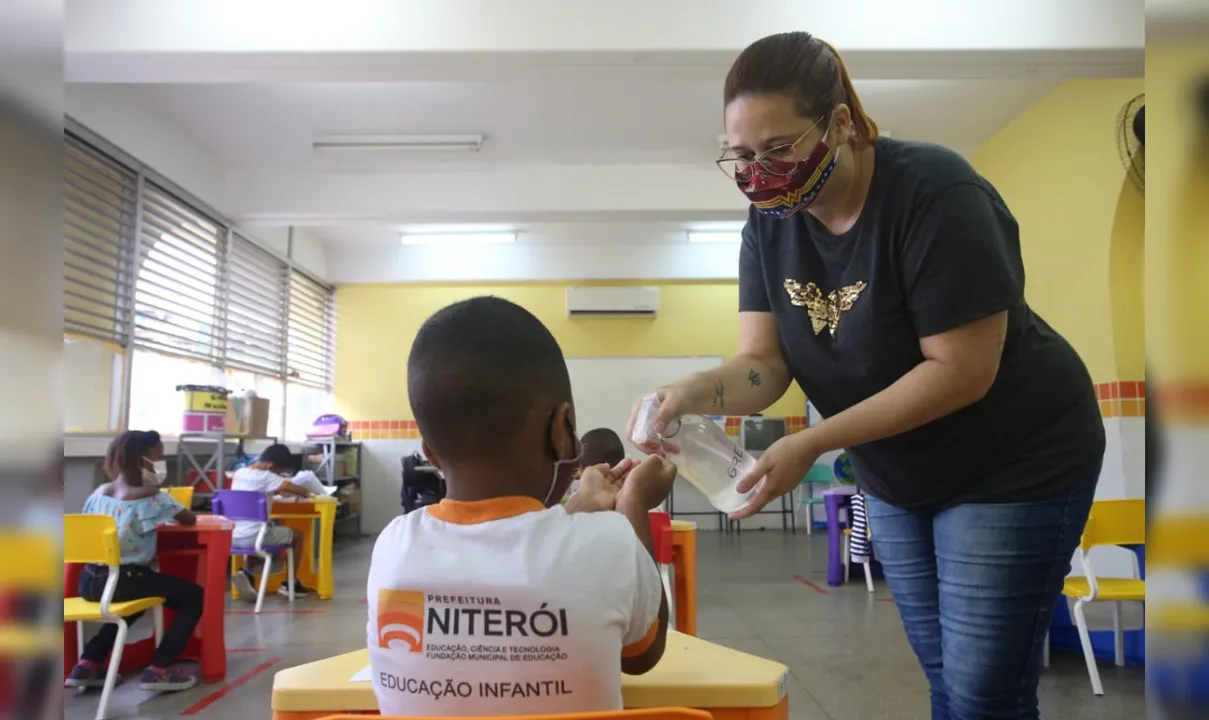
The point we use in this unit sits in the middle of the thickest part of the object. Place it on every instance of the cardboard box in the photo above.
(248, 417)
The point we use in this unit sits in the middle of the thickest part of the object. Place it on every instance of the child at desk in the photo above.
(518, 605)
(150, 449)
(138, 509)
(602, 447)
(269, 475)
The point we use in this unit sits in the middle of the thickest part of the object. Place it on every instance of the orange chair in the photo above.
(638, 714)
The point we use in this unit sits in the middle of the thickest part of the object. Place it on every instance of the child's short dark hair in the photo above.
(477, 369)
(279, 456)
(601, 446)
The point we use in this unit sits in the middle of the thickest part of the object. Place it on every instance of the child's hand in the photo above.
(648, 484)
(597, 490)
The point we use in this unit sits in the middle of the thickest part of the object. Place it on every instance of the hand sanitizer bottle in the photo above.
(702, 452)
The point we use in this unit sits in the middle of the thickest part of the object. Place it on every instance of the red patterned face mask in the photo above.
(780, 188)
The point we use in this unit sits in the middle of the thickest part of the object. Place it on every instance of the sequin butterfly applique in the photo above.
(824, 312)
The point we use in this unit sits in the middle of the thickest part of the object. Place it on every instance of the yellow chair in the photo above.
(94, 539)
(183, 494)
(31, 568)
(1112, 522)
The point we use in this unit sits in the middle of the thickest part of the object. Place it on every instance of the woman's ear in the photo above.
(841, 125)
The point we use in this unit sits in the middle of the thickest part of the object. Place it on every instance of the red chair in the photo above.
(661, 535)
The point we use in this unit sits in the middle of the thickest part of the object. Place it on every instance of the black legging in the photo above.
(139, 581)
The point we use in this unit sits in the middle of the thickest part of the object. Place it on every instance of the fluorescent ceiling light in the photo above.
(482, 238)
(715, 237)
(378, 143)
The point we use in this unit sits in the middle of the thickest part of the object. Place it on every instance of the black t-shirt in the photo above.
(935, 248)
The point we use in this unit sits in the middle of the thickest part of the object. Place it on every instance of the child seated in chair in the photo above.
(498, 600)
(138, 509)
(271, 474)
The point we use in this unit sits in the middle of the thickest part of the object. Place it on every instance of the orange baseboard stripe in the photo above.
(1125, 398)
(1122, 398)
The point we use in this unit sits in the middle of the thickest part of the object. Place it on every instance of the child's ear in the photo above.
(562, 432)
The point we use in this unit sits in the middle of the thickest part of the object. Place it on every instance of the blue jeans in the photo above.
(976, 587)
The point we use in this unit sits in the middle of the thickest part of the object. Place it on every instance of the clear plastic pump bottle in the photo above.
(702, 452)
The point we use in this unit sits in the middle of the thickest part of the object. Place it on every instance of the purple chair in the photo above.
(253, 506)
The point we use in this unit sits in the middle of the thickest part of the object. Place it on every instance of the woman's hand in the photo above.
(674, 400)
(781, 467)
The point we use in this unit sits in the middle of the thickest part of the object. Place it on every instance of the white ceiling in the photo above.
(600, 131)
(615, 118)
(541, 234)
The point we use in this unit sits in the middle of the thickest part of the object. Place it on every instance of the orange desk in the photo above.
(684, 565)
(693, 673)
(314, 568)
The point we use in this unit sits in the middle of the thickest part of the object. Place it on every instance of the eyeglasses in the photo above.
(742, 169)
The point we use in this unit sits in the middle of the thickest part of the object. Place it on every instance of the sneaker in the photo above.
(166, 679)
(86, 675)
(243, 583)
(300, 591)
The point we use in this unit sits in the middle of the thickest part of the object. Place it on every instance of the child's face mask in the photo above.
(564, 470)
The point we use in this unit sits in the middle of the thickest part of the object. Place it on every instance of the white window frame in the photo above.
(230, 230)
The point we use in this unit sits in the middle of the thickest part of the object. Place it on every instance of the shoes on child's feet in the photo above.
(86, 675)
(243, 583)
(299, 590)
(165, 679)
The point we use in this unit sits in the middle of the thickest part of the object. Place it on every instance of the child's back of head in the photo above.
(491, 396)
(602, 446)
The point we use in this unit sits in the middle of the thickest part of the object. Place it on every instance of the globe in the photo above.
(843, 470)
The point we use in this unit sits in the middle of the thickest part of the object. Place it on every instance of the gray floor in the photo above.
(846, 649)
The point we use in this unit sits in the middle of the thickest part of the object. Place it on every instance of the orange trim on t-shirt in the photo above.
(474, 512)
(638, 648)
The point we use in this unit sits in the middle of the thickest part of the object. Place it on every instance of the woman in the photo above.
(885, 278)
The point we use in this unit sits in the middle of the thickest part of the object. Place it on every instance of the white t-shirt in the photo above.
(503, 607)
(264, 481)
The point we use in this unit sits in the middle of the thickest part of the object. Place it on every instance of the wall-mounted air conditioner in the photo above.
(620, 301)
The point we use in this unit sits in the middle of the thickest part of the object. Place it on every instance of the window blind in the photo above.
(310, 336)
(177, 294)
(256, 289)
(99, 210)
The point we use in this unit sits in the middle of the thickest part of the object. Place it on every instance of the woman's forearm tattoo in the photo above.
(719, 399)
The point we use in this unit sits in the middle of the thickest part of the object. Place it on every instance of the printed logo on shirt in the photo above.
(401, 620)
(824, 311)
(467, 627)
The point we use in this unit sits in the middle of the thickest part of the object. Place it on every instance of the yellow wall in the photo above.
(1081, 221)
(376, 325)
(1177, 224)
